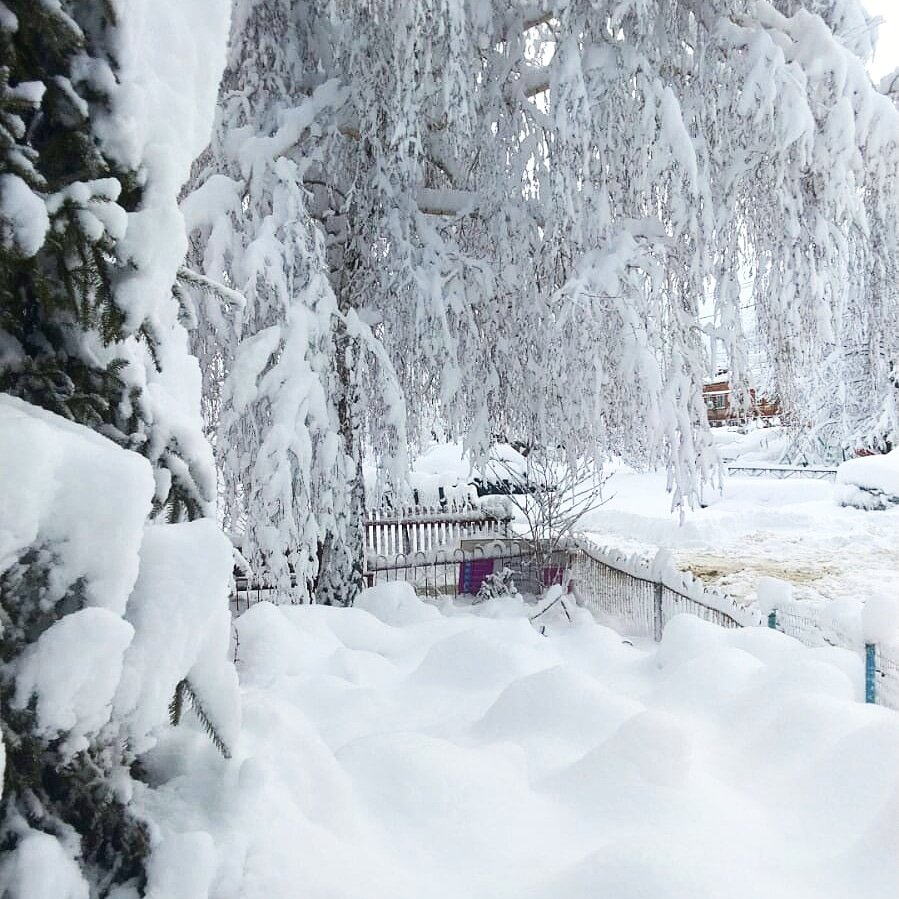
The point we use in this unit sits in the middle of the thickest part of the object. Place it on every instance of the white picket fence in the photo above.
(424, 529)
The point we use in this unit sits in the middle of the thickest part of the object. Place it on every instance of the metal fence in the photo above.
(772, 470)
(441, 572)
(640, 604)
(881, 661)
(886, 677)
(630, 596)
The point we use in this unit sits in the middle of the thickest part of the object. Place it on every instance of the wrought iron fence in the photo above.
(248, 591)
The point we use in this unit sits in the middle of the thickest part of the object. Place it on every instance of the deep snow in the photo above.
(398, 749)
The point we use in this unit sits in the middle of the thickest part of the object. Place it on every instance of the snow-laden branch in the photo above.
(211, 286)
(432, 201)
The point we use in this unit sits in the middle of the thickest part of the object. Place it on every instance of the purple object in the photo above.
(472, 573)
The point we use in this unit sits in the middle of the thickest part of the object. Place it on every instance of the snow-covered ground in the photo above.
(398, 749)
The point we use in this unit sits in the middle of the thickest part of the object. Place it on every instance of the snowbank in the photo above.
(869, 482)
(398, 749)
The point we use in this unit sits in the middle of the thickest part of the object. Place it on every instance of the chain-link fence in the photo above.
(634, 596)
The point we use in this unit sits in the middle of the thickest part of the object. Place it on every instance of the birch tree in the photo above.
(530, 204)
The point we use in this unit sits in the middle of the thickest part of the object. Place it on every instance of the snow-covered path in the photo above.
(401, 750)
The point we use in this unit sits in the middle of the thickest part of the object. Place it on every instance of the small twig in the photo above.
(548, 607)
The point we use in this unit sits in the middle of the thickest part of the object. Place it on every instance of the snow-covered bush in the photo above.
(499, 583)
(869, 482)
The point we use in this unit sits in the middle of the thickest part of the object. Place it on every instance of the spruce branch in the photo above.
(185, 691)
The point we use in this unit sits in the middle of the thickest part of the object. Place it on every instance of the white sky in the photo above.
(887, 56)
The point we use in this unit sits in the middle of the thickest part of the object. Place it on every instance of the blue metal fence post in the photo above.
(772, 619)
(870, 672)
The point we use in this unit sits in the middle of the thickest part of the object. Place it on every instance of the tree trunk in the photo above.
(343, 555)
(340, 577)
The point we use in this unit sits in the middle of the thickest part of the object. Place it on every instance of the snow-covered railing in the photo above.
(639, 596)
(423, 529)
(772, 470)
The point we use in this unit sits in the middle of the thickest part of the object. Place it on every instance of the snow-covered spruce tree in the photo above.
(68, 341)
(89, 331)
(60, 216)
(60, 220)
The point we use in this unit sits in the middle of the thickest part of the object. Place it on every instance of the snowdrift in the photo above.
(398, 749)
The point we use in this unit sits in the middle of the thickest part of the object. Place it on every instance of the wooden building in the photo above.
(717, 396)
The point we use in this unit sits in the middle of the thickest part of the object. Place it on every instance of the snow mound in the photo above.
(468, 755)
(869, 482)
